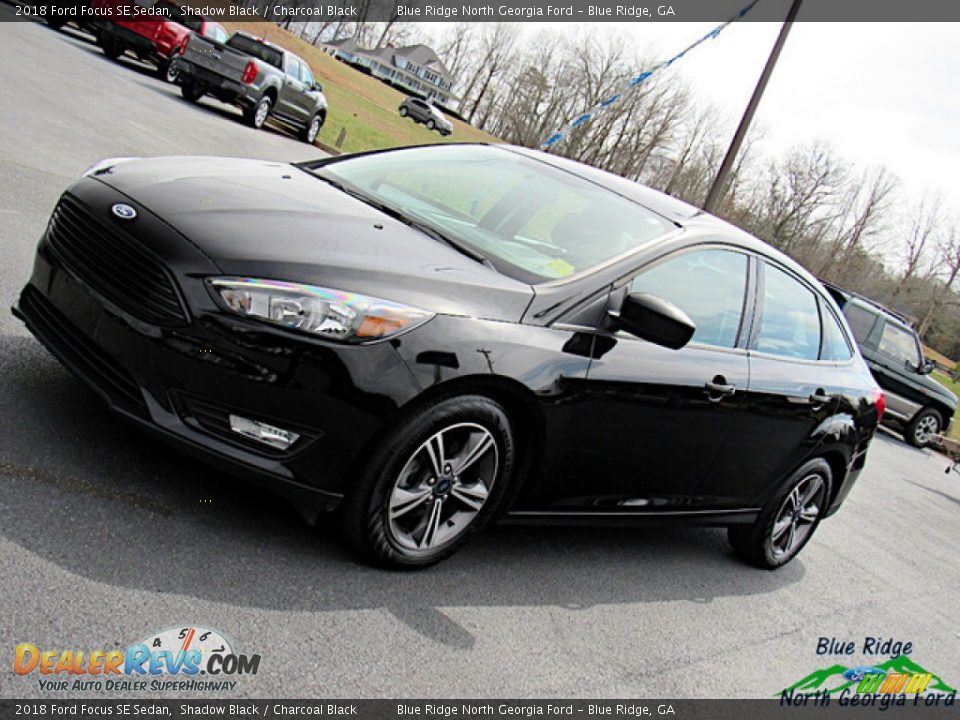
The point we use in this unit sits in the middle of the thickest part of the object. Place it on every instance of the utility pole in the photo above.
(719, 183)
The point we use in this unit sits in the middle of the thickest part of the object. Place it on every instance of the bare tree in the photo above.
(926, 219)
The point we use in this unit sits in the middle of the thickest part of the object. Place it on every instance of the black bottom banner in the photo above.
(814, 707)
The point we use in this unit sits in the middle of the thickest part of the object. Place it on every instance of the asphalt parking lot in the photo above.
(107, 537)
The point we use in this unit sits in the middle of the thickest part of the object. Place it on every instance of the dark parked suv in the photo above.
(917, 404)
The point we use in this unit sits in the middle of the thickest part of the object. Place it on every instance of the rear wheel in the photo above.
(788, 521)
(112, 47)
(431, 124)
(921, 430)
(404, 112)
(257, 115)
(191, 90)
(437, 479)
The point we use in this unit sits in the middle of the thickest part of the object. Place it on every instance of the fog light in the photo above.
(261, 432)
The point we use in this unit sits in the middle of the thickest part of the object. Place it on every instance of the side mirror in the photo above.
(655, 320)
(318, 87)
(926, 367)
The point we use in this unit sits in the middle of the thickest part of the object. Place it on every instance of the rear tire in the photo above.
(404, 112)
(920, 431)
(431, 124)
(435, 480)
(191, 90)
(257, 115)
(112, 48)
(788, 521)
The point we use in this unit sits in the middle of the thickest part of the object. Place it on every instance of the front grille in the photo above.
(114, 264)
(78, 352)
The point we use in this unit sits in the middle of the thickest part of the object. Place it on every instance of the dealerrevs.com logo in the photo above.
(190, 658)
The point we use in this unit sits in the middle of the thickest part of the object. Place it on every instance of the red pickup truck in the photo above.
(153, 30)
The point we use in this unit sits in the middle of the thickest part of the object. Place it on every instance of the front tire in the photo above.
(920, 431)
(404, 112)
(431, 125)
(788, 521)
(437, 479)
(168, 71)
(310, 132)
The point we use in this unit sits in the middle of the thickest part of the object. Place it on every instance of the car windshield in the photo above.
(269, 55)
(531, 220)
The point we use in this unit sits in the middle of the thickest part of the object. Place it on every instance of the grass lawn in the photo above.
(366, 107)
(955, 389)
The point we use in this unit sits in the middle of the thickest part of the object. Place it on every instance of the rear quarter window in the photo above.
(861, 321)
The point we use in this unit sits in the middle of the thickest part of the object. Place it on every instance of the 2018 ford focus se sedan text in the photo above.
(427, 338)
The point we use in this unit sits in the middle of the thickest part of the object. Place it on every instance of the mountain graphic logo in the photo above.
(837, 678)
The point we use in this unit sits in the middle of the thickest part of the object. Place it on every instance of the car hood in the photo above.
(274, 221)
(939, 389)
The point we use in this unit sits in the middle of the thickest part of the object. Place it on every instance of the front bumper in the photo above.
(181, 380)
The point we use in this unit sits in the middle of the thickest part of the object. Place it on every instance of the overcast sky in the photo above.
(879, 93)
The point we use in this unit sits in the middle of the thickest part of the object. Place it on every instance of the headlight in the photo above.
(332, 314)
(98, 168)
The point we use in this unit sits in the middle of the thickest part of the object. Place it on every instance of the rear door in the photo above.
(794, 386)
(290, 100)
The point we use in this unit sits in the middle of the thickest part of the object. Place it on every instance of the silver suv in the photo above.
(423, 112)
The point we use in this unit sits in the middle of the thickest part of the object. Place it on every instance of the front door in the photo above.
(652, 421)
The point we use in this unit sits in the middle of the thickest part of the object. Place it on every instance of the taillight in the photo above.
(249, 73)
(183, 45)
(880, 401)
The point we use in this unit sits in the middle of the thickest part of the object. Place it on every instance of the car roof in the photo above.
(870, 304)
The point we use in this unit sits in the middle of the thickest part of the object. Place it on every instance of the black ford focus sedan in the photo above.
(425, 339)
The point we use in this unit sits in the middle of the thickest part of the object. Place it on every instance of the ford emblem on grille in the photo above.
(123, 211)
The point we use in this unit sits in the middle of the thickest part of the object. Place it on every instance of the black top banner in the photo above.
(579, 11)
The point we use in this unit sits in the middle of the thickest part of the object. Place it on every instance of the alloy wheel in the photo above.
(797, 516)
(442, 487)
(262, 110)
(926, 428)
(172, 72)
(314, 129)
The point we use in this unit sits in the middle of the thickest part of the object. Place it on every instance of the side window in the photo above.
(861, 321)
(790, 325)
(306, 75)
(899, 344)
(835, 345)
(293, 67)
(708, 285)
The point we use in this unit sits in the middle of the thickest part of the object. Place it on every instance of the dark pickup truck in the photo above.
(917, 405)
(260, 78)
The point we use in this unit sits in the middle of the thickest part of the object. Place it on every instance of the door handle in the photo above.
(717, 389)
(819, 397)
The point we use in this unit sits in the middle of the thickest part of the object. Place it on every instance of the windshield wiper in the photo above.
(393, 212)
